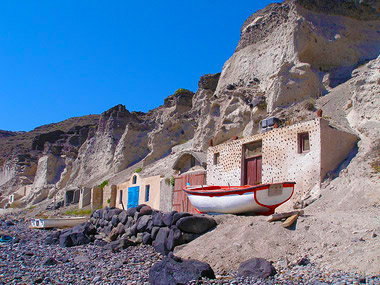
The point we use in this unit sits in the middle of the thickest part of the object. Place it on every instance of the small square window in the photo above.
(147, 188)
(303, 142)
(216, 158)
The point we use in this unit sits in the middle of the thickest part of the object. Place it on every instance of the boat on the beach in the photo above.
(57, 223)
(260, 199)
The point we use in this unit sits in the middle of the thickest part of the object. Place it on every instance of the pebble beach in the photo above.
(27, 260)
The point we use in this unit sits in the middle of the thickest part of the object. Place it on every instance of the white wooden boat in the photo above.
(260, 199)
(57, 223)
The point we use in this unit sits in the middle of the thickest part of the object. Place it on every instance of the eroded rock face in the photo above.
(288, 52)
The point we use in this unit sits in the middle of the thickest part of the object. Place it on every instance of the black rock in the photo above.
(168, 218)
(188, 237)
(123, 217)
(154, 232)
(146, 210)
(70, 238)
(131, 212)
(138, 208)
(149, 226)
(159, 243)
(115, 220)
(50, 261)
(303, 261)
(157, 220)
(256, 267)
(115, 212)
(142, 223)
(196, 224)
(119, 244)
(173, 270)
(177, 216)
(174, 239)
(147, 238)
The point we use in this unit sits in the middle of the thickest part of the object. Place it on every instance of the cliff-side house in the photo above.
(304, 153)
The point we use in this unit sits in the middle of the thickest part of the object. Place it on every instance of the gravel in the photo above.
(29, 261)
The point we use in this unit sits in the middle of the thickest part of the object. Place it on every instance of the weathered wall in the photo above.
(154, 191)
(281, 160)
(96, 197)
(336, 146)
(85, 197)
(166, 196)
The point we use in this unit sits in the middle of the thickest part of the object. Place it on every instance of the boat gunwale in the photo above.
(237, 189)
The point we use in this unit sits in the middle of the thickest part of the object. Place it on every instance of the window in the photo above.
(121, 196)
(216, 158)
(134, 179)
(303, 142)
(147, 187)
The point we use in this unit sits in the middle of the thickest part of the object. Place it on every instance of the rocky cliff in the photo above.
(289, 53)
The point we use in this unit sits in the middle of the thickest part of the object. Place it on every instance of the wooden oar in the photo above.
(280, 216)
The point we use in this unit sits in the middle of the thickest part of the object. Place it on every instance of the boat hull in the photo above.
(56, 223)
(261, 199)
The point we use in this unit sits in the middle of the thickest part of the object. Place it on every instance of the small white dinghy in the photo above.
(260, 199)
(57, 223)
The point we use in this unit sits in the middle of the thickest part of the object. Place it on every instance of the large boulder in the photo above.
(196, 224)
(123, 217)
(159, 243)
(256, 267)
(157, 220)
(173, 270)
(168, 218)
(131, 212)
(178, 216)
(142, 223)
(174, 239)
(69, 239)
(115, 220)
(154, 232)
(146, 210)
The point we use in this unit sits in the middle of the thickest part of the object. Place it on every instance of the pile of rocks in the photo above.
(117, 229)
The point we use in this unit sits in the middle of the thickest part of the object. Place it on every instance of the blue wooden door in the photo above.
(133, 196)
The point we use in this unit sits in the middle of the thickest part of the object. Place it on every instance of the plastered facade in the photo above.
(281, 157)
(154, 183)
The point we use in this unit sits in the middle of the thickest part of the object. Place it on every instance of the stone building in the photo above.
(304, 153)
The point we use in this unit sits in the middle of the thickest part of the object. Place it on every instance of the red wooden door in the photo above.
(253, 168)
(180, 201)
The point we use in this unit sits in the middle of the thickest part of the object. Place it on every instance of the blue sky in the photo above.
(62, 59)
